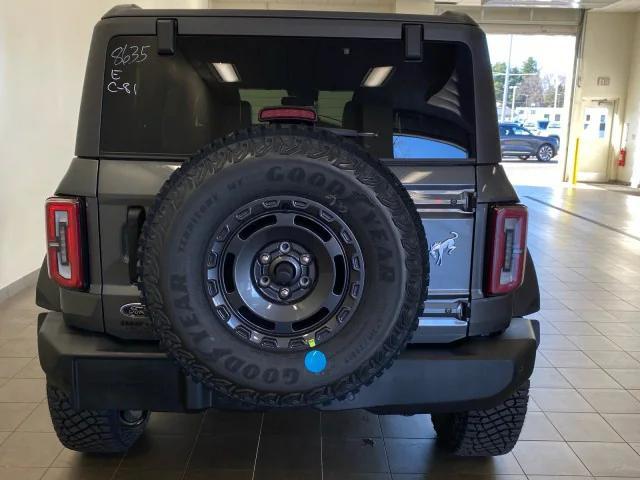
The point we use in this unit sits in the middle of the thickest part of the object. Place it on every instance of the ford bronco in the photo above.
(279, 210)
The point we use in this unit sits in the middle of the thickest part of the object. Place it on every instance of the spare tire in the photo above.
(283, 266)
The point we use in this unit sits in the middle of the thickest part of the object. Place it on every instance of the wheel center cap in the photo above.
(284, 273)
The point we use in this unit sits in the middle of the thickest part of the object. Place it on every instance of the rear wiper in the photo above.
(345, 132)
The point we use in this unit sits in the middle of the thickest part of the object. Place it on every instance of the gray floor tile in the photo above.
(79, 474)
(556, 342)
(548, 458)
(538, 427)
(148, 474)
(86, 461)
(287, 475)
(351, 423)
(159, 452)
(592, 342)
(560, 400)
(27, 449)
(559, 477)
(548, 377)
(304, 423)
(301, 453)
(366, 455)
(608, 459)
(31, 370)
(161, 423)
(610, 359)
(38, 421)
(23, 390)
(232, 452)
(21, 473)
(578, 427)
(361, 476)
(10, 366)
(611, 401)
(626, 424)
(615, 329)
(575, 328)
(629, 378)
(215, 474)
(13, 414)
(400, 426)
(627, 343)
(568, 358)
(237, 423)
(588, 378)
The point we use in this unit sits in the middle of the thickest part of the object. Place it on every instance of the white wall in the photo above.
(631, 172)
(608, 41)
(43, 50)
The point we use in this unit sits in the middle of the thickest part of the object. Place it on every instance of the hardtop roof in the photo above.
(135, 11)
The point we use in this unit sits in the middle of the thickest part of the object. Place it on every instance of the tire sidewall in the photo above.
(201, 200)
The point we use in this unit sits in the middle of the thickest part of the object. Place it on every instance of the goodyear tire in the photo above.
(484, 433)
(283, 266)
(94, 431)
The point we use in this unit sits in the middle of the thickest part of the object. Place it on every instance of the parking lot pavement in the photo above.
(584, 412)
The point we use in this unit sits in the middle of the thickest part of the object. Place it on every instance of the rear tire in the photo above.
(545, 153)
(94, 431)
(523, 157)
(483, 433)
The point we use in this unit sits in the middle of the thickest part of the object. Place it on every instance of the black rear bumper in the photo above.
(99, 372)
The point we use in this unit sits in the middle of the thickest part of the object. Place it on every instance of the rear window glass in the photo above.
(214, 85)
(412, 146)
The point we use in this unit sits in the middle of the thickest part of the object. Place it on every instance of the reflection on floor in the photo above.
(584, 413)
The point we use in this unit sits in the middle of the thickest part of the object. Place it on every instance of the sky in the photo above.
(554, 53)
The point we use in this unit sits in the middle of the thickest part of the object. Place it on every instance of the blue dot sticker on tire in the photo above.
(315, 361)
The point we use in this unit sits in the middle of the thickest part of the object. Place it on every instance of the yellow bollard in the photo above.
(574, 177)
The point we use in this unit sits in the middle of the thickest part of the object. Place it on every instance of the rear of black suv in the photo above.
(280, 210)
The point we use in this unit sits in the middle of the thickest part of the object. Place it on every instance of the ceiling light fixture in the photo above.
(376, 76)
(227, 72)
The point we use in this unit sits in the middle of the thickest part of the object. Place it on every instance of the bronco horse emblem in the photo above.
(439, 249)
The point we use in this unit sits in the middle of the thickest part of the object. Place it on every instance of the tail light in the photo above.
(507, 248)
(64, 242)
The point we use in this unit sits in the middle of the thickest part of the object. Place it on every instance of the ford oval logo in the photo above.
(133, 310)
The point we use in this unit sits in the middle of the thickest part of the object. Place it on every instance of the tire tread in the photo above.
(489, 432)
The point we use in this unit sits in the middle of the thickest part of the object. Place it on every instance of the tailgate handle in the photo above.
(135, 219)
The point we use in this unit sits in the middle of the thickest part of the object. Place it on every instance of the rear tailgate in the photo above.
(445, 198)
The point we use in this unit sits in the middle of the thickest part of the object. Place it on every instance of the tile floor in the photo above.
(584, 413)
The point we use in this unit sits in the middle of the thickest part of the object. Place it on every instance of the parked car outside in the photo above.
(518, 141)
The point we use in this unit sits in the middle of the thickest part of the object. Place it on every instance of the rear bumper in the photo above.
(99, 372)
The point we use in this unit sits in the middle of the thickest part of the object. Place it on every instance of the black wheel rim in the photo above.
(284, 273)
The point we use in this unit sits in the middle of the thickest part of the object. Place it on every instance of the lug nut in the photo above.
(265, 258)
(284, 292)
(305, 259)
(264, 281)
(285, 247)
(304, 282)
